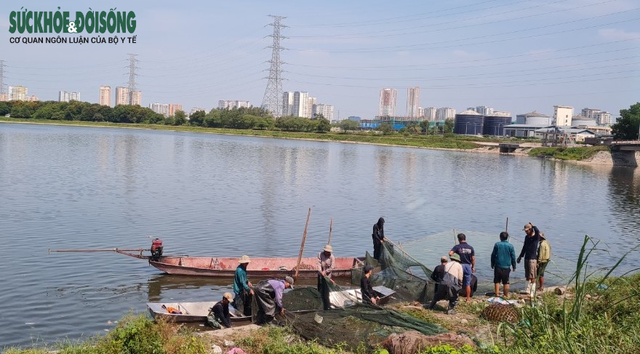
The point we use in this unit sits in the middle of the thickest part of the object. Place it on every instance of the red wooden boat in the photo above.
(225, 267)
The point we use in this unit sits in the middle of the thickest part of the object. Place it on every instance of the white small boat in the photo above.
(182, 312)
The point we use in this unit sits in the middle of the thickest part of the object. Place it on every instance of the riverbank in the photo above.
(598, 155)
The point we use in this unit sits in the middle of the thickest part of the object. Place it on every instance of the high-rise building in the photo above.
(122, 95)
(231, 104)
(429, 113)
(136, 98)
(174, 107)
(301, 105)
(105, 96)
(484, 110)
(3, 97)
(413, 102)
(66, 96)
(161, 108)
(287, 104)
(444, 113)
(603, 118)
(326, 110)
(388, 99)
(311, 101)
(18, 93)
(562, 115)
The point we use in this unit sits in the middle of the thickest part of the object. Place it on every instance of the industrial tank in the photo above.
(494, 125)
(468, 123)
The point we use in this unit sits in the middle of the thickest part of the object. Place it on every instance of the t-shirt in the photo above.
(503, 255)
(465, 251)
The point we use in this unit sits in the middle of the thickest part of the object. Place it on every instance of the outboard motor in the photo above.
(156, 249)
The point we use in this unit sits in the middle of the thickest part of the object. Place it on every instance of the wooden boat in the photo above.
(225, 267)
(191, 312)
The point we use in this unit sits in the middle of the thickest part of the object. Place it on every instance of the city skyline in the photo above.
(514, 56)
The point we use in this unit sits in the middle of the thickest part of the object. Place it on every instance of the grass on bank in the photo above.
(570, 153)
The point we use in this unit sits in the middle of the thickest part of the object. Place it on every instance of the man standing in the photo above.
(502, 257)
(326, 263)
(378, 238)
(219, 314)
(467, 260)
(242, 287)
(450, 284)
(268, 296)
(530, 253)
(544, 254)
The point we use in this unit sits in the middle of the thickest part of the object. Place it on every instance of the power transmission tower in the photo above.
(2, 92)
(132, 77)
(271, 100)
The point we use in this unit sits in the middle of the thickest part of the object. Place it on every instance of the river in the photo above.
(205, 194)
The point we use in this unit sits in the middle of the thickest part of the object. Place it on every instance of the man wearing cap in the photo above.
(503, 257)
(268, 296)
(544, 254)
(450, 285)
(326, 263)
(219, 314)
(468, 261)
(530, 253)
(438, 272)
(242, 287)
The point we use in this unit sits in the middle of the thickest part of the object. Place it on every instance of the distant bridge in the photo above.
(625, 145)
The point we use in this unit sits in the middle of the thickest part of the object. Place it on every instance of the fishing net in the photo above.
(352, 326)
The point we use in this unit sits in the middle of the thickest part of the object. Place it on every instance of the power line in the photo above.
(271, 99)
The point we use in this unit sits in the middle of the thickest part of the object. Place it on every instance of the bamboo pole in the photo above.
(506, 227)
(304, 238)
(330, 230)
(100, 250)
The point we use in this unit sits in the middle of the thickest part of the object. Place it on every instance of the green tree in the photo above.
(386, 128)
(5, 108)
(197, 118)
(627, 126)
(448, 125)
(322, 124)
(348, 125)
(180, 118)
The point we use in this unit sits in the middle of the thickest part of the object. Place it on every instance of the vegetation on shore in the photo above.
(567, 153)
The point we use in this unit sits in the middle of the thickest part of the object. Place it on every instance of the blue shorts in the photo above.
(466, 275)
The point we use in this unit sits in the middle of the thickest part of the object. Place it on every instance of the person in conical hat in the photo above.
(242, 287)
(326, 264)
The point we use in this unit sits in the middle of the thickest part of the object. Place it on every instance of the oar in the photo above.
(100, 250)
(304, 238)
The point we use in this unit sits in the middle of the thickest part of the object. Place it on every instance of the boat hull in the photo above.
(221, 267)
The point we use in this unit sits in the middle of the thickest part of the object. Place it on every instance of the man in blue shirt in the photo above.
(502, 257)
(242, 287)
(468, 261)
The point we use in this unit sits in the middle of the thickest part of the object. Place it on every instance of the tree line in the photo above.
(237, 118)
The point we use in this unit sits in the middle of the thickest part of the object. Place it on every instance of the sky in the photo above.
(511, 55)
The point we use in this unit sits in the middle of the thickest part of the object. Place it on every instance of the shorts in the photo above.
(530, 267)
(466, 274)
(541, 267)
(501, 275)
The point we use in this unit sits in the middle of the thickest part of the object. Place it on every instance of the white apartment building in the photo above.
(429, 113)
(160, 108)
(231, 104)
(325, 109)
(388, 100)
(444, 113)
(105, 96)
(562, 115)
(66, 96)
(123, 96)
(18, 93)
(413, 102)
